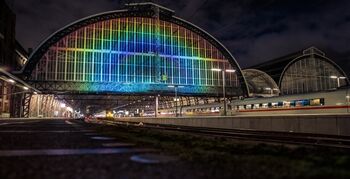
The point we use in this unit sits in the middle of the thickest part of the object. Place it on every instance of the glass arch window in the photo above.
(260, 83)
(311, 74)
(130, 50)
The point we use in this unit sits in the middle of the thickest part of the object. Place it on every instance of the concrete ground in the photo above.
(72, 149)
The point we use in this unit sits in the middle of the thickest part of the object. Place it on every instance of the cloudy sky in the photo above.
(253, 30)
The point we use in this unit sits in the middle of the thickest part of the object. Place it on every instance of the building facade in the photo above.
(306, 71)
(12, 58)
(142, 49)
(7, 58)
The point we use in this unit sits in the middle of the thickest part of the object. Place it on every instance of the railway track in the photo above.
(307, 139)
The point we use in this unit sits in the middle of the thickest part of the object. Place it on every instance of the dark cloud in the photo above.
(253, 30)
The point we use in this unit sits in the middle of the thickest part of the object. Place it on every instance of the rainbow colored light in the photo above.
(123, 51)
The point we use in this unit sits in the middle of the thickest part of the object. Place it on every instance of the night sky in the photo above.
(253, 30)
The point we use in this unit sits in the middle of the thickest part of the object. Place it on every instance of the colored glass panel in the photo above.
(124, 51)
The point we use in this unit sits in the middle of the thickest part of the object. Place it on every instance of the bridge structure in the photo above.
(142, 56)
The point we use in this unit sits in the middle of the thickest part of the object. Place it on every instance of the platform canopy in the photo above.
(260, 83)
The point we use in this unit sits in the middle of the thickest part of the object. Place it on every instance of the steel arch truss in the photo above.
(202, 50)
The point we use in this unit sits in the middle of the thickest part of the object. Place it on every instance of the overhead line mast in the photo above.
(157, 40)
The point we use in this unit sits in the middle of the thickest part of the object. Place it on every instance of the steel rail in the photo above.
(307, 139)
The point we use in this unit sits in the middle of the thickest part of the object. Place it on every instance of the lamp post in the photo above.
(338, 79)
(347, 100)
(224, 85)
(176, 100)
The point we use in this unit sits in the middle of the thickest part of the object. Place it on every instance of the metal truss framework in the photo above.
(58, 87)
(304, 71)
(94, 103)
(26, 104)
(44, 106)
(260, 83)
(76, 63)
(146, 10)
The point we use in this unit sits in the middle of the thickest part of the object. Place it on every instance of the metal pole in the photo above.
(176, 101)
(338, 81)
(38, 105)
(348, 100)
(157, 50)
(224, 92)
(156, 108)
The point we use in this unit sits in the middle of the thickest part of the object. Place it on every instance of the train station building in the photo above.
(306, 71)
(143, 50)
(144, 55)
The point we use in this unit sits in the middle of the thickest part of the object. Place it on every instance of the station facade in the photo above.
(145, 50)
(142, 49)
(305, 71)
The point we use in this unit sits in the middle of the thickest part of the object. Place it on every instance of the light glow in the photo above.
(122, 52)
(230, 70)
(69, 109)
(215, 69)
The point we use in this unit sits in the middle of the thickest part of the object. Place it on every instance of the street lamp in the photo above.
(176, 100)
(223, 85)
(338, 79)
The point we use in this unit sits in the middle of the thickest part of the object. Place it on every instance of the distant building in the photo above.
(12, 57)
(7, 37)
(304, 71)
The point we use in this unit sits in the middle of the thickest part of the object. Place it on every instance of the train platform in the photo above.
(36, 148)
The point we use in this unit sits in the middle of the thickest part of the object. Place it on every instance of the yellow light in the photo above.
(215, 69)
(230, 70)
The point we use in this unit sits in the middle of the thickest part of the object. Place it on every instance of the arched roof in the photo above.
(133, 10)
(276, 68)
(259, 82)
(312, 52)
